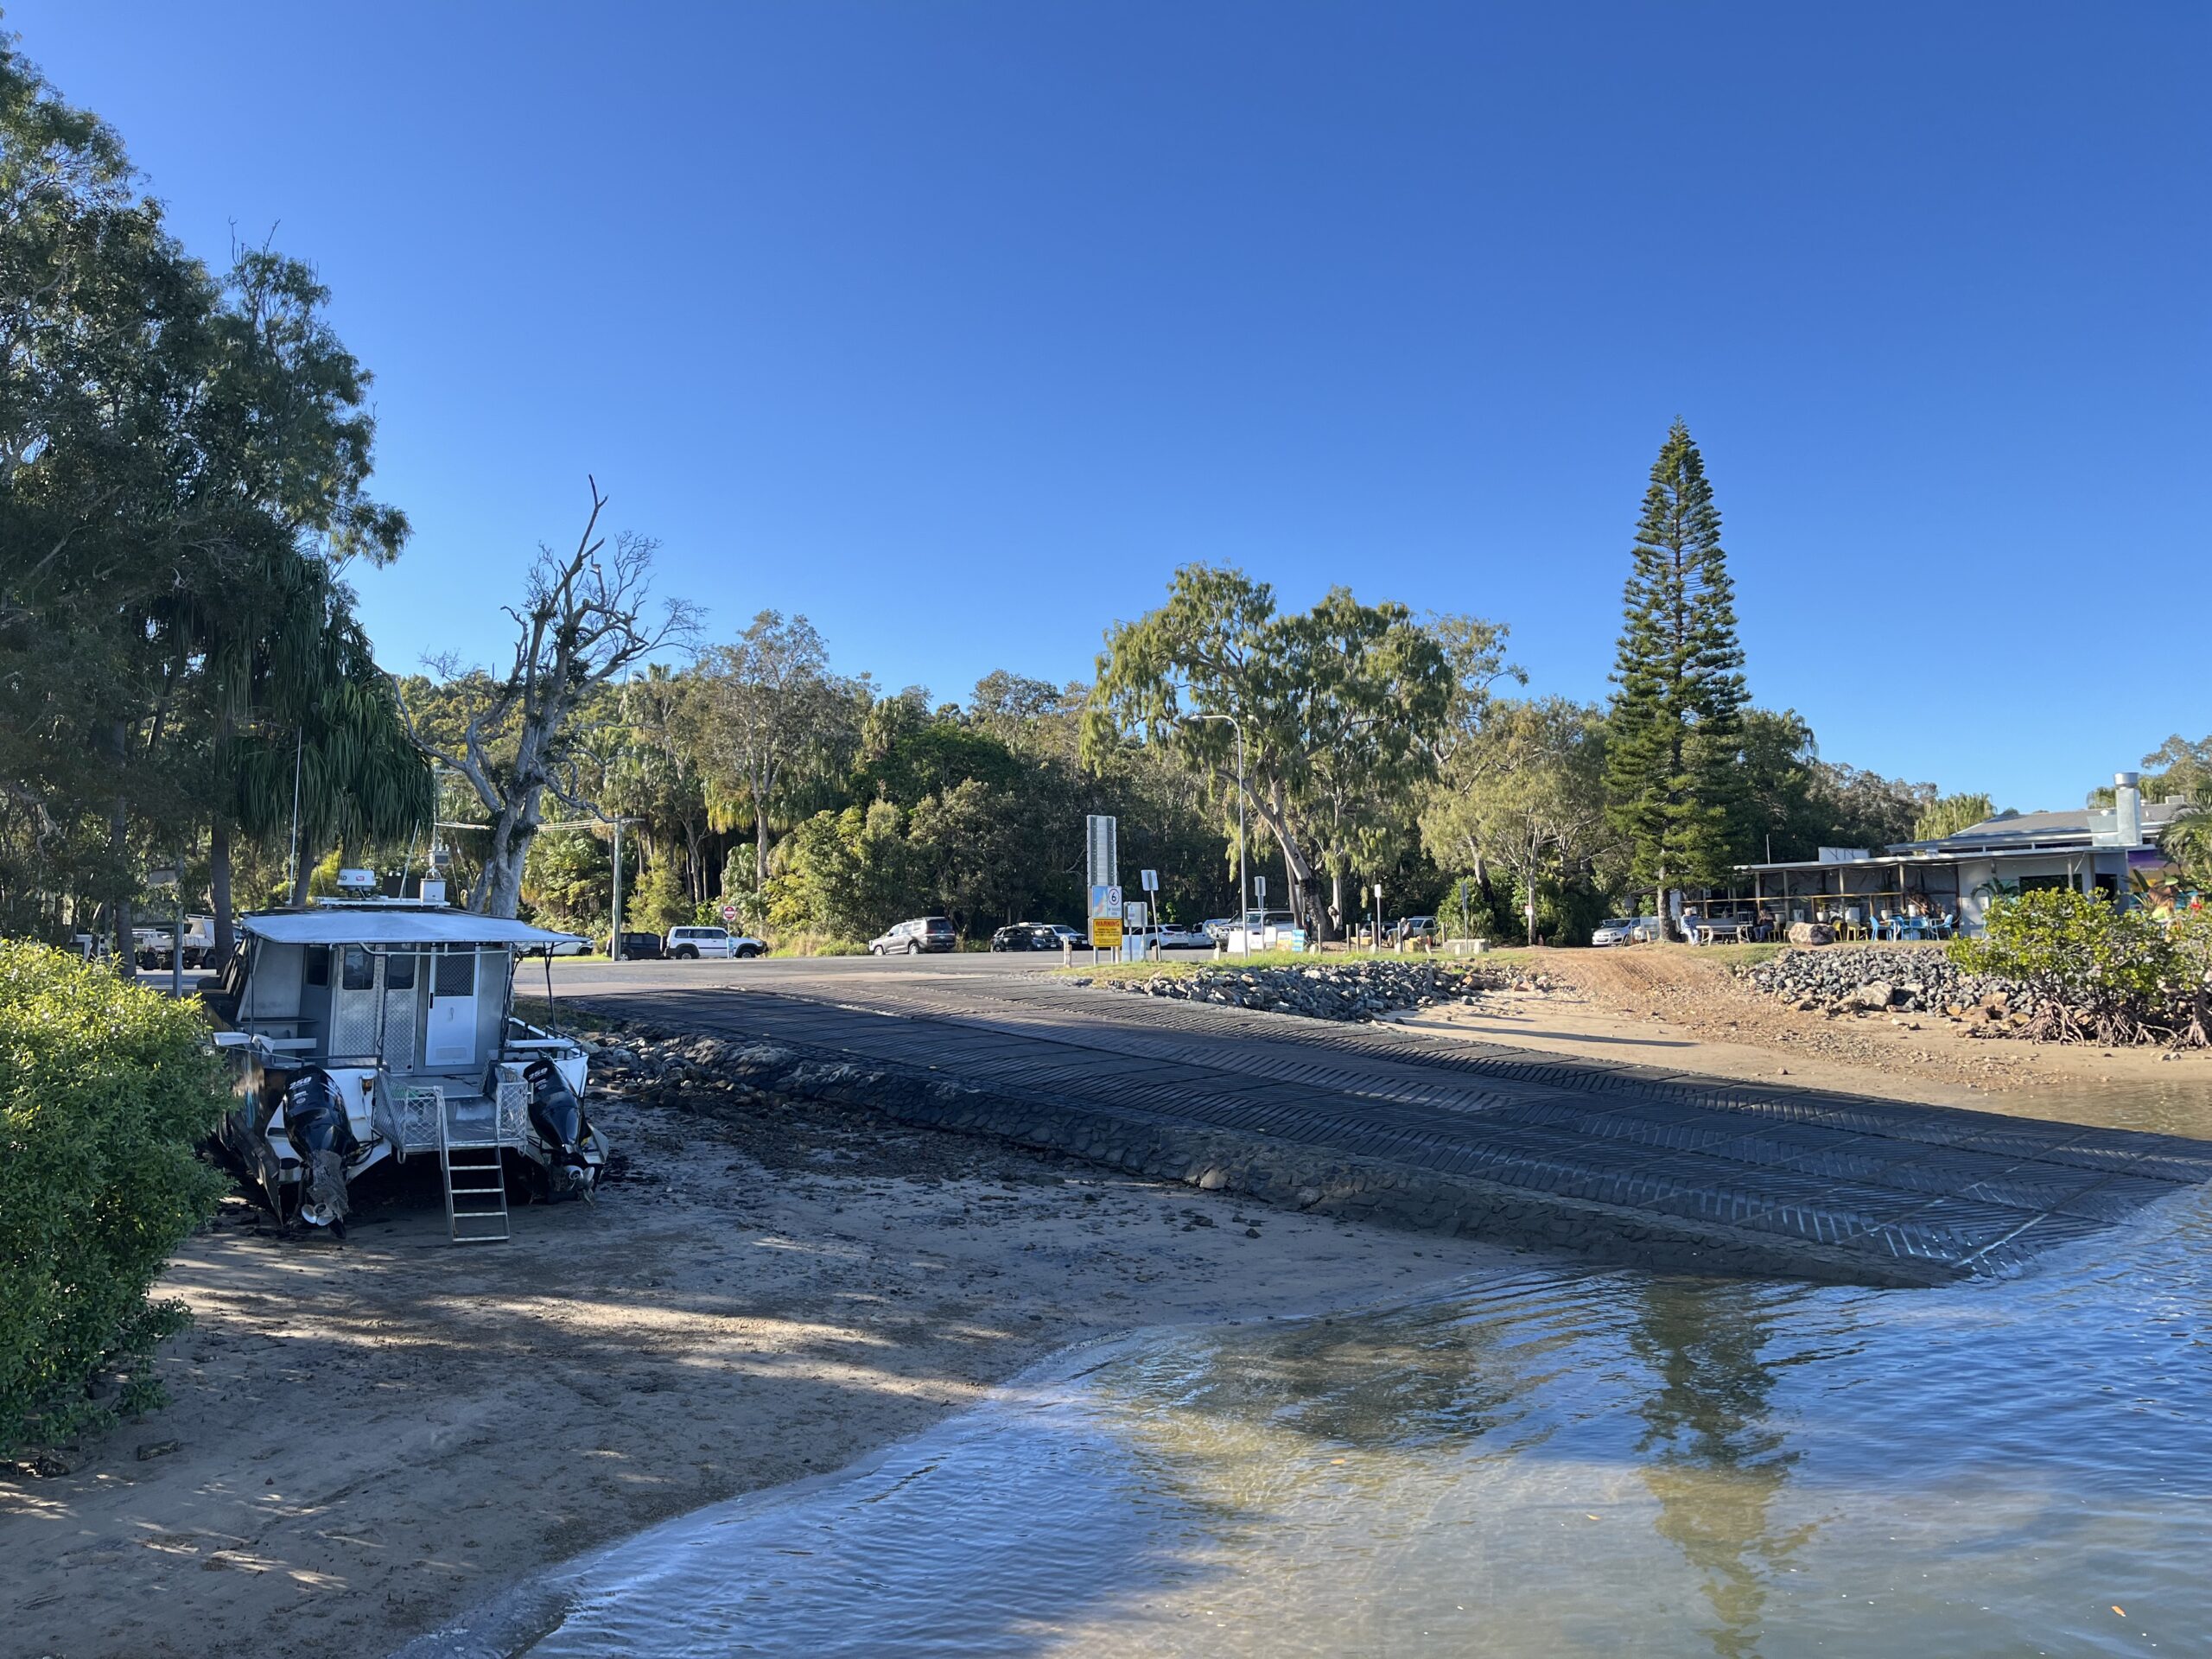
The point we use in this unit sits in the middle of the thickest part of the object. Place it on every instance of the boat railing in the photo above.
(409, 1117)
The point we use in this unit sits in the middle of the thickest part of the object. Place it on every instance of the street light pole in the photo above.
(1243, 875)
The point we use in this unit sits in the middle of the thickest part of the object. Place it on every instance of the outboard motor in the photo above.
(317, 1125)
(558, 1117)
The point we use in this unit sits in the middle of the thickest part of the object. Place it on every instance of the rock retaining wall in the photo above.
(707, 1074)
(1898, 979)
(1353, 988)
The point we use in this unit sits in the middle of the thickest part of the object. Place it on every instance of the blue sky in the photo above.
(958, 326)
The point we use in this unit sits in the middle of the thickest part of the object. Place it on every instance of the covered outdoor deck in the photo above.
(1893, 898)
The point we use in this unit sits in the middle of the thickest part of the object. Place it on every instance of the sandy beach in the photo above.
(366, 1439)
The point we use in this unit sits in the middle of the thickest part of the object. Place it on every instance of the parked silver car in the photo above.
(911, 938)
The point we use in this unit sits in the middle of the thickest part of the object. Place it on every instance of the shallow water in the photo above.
(1553, 1460)
(2181, 1104)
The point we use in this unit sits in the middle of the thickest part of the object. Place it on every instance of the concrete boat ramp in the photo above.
(1624, 1163)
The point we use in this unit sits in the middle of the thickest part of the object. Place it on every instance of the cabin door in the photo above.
(399, 980)
(354, 1005)
(449, 1038)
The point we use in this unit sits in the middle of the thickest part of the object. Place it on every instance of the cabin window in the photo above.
(400, 972)
(319, 965)
(454, 976)
(359, 973)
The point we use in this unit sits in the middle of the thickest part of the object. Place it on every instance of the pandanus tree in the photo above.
(320, 756)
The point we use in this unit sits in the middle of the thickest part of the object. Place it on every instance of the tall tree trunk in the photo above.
(219, 890)
(759, 841)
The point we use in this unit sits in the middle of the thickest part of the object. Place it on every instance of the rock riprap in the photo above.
(1893, 979)
(1354, 989)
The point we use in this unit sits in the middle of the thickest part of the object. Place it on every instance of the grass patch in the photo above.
(815, 944)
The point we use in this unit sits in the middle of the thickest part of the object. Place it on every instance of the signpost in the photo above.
(1133, 944)
(1105, 915)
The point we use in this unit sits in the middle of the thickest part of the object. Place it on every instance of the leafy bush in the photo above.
(2099, 973)
(104, 1091)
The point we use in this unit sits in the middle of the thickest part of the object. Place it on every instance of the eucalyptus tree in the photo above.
(776, 716)
(1317, 695)
(1531, 802)
(586, 618)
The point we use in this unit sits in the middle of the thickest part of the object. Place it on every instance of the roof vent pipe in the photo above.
(2128, 809)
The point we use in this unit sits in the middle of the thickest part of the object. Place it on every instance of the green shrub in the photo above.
(2099, 973)
(104, 1091)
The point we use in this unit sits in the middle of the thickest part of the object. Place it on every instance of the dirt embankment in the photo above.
(1683, 1009)
(368, 1437)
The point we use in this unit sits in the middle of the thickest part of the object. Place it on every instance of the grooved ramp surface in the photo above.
(1884, 1182)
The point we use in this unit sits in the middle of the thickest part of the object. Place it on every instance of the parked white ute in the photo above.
(691, 943)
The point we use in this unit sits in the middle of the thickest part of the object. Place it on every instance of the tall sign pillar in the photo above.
(1102, 863)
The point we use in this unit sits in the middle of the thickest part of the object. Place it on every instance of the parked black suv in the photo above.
(638, 947)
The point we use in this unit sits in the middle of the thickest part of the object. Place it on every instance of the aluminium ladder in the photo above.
(476, 1186)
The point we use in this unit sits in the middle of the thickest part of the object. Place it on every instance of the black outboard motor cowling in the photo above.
(558, 1117)
(317, 1125)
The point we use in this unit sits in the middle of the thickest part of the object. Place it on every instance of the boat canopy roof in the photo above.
(395, 925)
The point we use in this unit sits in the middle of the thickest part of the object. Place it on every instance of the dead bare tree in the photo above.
(581, 623)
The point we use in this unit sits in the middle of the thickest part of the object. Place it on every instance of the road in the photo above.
(1607, 1156)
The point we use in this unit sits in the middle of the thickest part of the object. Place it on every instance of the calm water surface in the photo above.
(1553, 1460)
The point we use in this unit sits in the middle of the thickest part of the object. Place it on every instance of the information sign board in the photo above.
(1106, 916)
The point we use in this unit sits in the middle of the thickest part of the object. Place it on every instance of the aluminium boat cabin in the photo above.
(364, 1032)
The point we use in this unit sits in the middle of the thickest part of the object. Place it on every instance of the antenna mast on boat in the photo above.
(292, 860)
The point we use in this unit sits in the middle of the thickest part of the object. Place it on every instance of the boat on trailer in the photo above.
(362, 1033)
